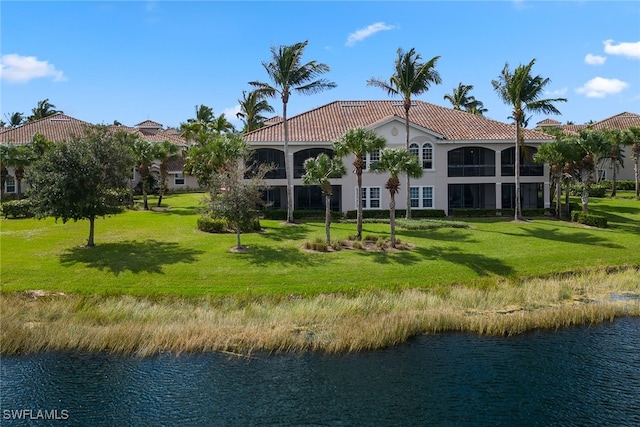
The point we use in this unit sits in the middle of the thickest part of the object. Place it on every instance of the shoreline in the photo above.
(36, 322)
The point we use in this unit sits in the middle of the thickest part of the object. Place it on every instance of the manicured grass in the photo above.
(160, 253)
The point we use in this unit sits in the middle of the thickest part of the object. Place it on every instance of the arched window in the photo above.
(528, 167)
(302, 155)
(414, 149)
(472, 161)
(269, 156)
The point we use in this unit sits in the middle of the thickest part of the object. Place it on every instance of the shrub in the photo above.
(317, 245)
(589, 219)
(623, 184)
(594, 190)
(211, 225)
(17, 209)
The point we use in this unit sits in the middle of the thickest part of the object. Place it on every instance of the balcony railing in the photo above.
(525, 170)
(472, 170)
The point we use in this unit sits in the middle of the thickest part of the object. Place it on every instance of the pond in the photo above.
(580, 376)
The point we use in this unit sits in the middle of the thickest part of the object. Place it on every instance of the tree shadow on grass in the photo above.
(264, 255)
(445, 234)
(286, 232)
(579, 237)
(403, 257)
(148, 256)
(481, 264)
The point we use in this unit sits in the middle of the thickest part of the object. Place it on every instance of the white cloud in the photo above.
(594, 59)
(367, 32)
(630, 49)
(230, 114)
(16, 68)
(558, 92)
(599, 87)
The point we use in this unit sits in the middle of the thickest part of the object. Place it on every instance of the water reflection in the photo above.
(577, 377)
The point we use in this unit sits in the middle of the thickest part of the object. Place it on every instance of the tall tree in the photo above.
(204, 114)
(615, 140)
(522, 91)
(252, 107)
(319, 171)
(396, 161)
(635, 156)
(221, 125)
(410, 77)
(144, 153)
(85, 178)
(14, 119)
(42, 110)
(165, 152)
(588, 145)
(460, 97)
(359, 142)
(288, 73)
(556, 154)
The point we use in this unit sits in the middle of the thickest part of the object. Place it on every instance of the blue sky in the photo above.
(133, 61)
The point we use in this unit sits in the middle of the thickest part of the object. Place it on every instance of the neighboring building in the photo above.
(468, 160)
(60, 127)
(620, 121)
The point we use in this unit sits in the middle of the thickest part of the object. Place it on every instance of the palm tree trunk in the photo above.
(636, 170)
(92, 220)
(614, 180)
(359, 207)
(144, 194)
(558, 194)
(287, 164)
(566, 198)
(406, 116)
(238, 237)
(327, 218)
(392, 218)
(518, 216)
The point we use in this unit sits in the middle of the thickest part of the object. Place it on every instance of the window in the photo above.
(370, 197)
(427, 156)
(371, 158)
(179, 179)
(421, 197)
(472, 161)
(10, 184)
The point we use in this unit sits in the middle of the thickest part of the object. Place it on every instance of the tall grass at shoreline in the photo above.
(334, 323)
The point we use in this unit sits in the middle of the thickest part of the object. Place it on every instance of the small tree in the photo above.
(238, 199)
(319, 171)
(82, 179)
(396, 161)
(635, 156)
(19, 157)
(359, 142)
(587, 147)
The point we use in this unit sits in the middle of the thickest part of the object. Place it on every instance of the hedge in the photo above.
(384, 213)
(281, 214)
(621, 184)
(482, 213)
(17, 209)
(594, 191)
(589, 219)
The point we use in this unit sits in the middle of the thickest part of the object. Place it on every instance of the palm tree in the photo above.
(476, 107)
(319, 171)
(459, 97)
(553, 153)
(252, 106)
(522, 92)
(288, 73)
(165, 151)
(19, 157)
(396, 161)
(14, 119)
(42, 110)
(615, 140)
(635, 155)
(144, 154)
(204, 114)
(587, 146)
(221, 125)
(411, 77)
(359, 142)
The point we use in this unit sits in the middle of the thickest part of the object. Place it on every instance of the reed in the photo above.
(37, 321)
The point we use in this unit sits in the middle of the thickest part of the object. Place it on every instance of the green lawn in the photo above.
(162, 253)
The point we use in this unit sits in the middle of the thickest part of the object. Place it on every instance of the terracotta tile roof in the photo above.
(548, 122)
(160, 136)
(619, 121)
(149, 124)
(273, 120)
(329, 122)
(56, 128)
